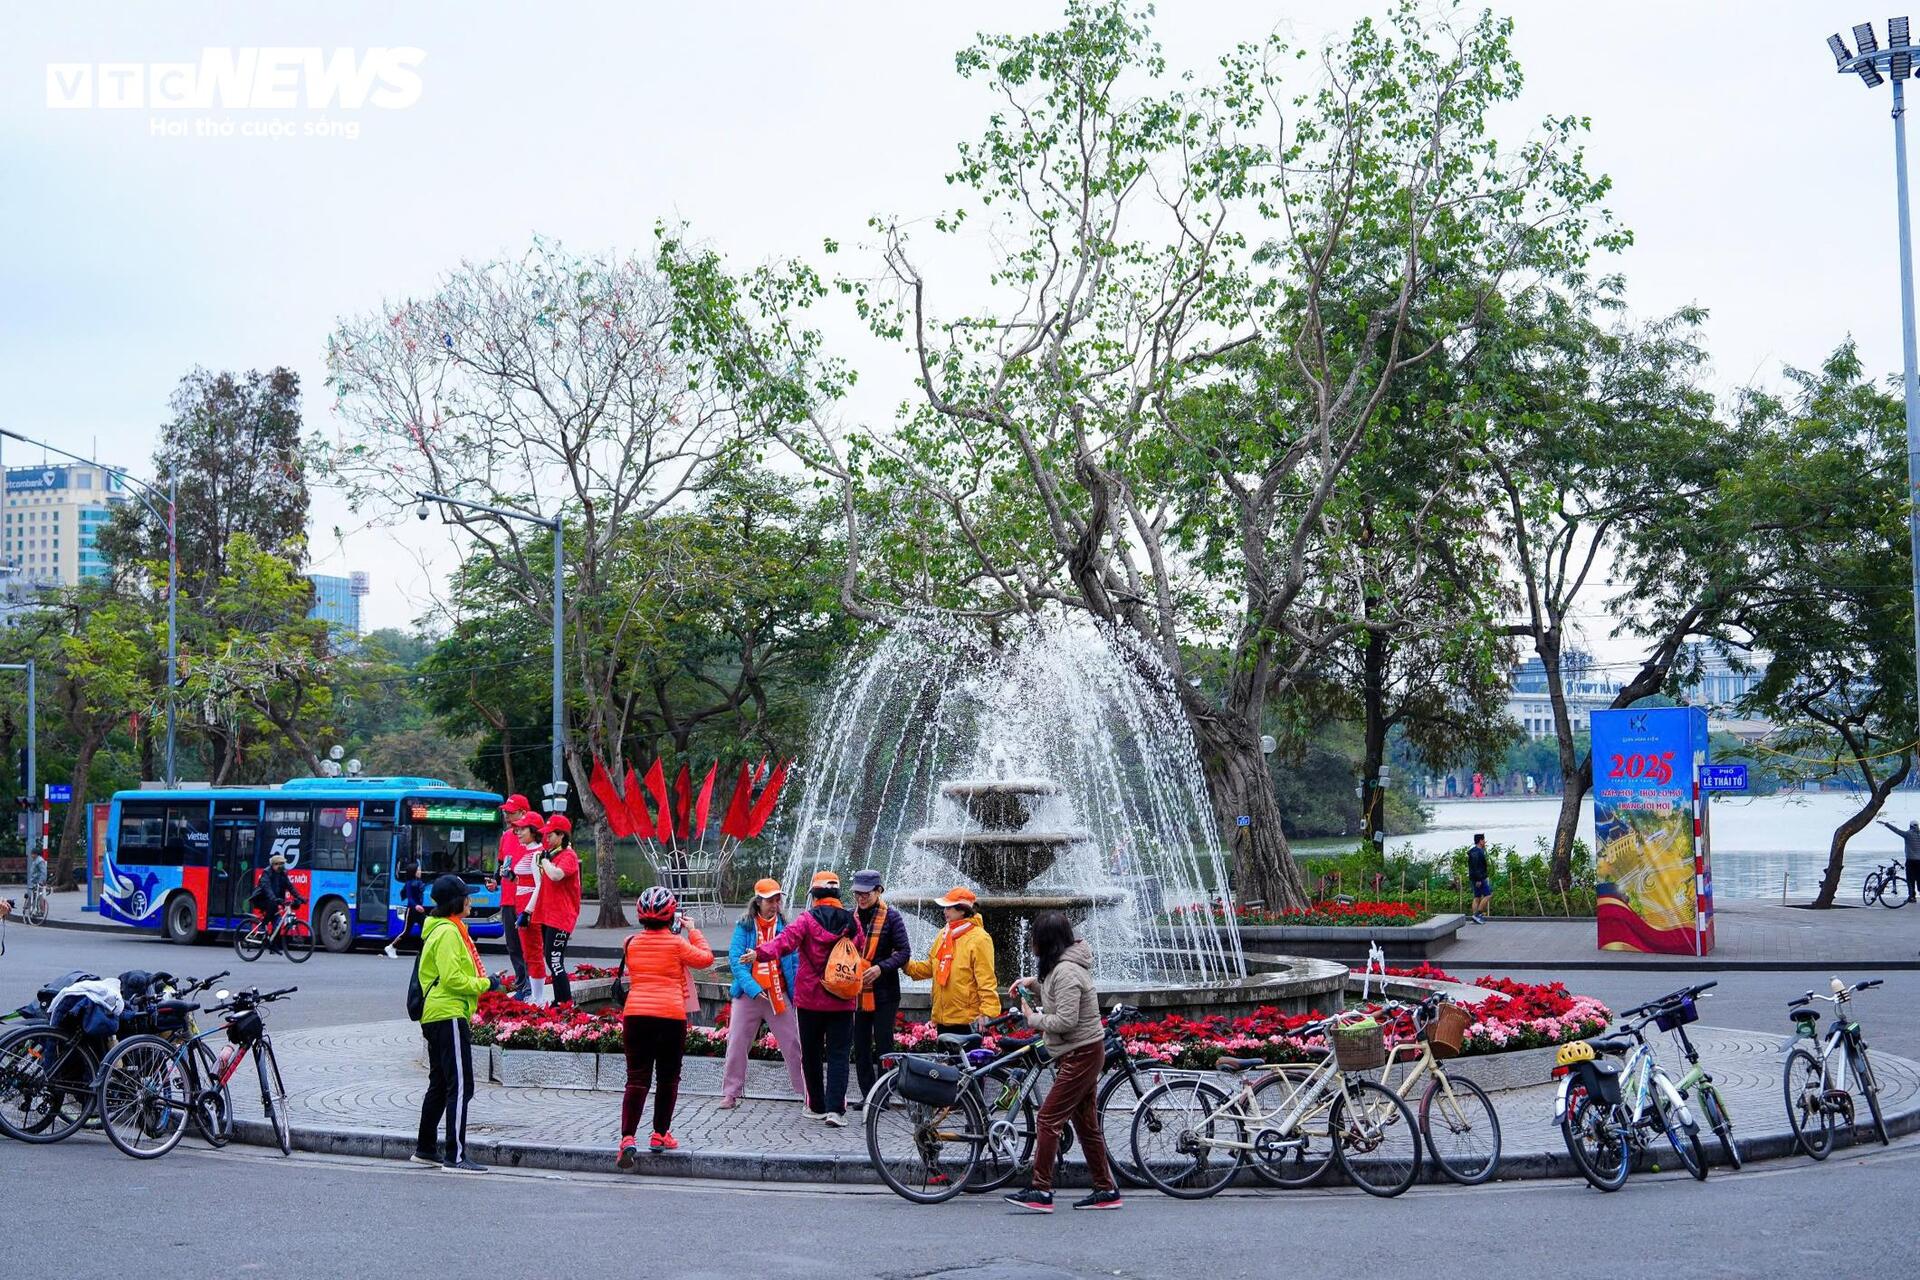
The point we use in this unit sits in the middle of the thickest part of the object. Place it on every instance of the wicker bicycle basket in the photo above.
(1448, 1030)
(1362, 1048)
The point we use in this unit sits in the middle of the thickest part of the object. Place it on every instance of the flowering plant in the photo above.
(1384, 914)
(589, 971)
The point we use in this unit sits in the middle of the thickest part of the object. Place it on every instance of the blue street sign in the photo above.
(1242, 820)
(60, 793)
(1723, 777)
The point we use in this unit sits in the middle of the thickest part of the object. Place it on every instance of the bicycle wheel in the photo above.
(1297, 1159)
(36, 908)
(1870, 889)
(924, 1153)
(1893, 889)
(1177, 1136)
(248, 944)
(1375, 1138)
(46, 1084)
(1684, 1137)
(145, 1098)
(1870, 1088)
(1461, 1128)
(1597, 1141)
(1717, 1120)
(212, 1102)
(273, 1095)
(1012, 1130)
(298, 940)
(1808, 1112)
(1118, 1098)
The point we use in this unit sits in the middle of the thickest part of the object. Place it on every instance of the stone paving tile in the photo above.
(1744, 933)
(372, 1076)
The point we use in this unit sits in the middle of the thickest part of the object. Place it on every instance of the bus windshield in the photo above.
(458, 843)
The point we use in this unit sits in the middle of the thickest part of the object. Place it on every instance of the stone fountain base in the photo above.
(1003, 914)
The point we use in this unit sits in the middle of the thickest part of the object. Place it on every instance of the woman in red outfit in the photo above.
(528, 826)
(556, 907)
(659, 961)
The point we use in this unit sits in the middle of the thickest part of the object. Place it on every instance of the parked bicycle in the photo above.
(1609, 1112)
(283, 932)
(1713, 1104)
(1191, 1138)
(1457, 1119)
(1816, 1083)
(142, 1108)
(35, 903)
(1886, 885)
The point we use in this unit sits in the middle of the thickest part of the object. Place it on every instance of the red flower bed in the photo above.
(1390, 915)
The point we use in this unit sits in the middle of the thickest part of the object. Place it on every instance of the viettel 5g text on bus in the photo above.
(187, 861)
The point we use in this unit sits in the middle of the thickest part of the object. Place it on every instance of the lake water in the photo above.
(1758, 843)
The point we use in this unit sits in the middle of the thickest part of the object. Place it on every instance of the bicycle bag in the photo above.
(928, 1080)
(1601, 1079)
(246, 1029)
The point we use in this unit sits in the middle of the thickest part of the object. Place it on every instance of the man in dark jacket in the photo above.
(887, 949)
(1482, 882)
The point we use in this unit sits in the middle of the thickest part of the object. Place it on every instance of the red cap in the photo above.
(559, 822)
(526, 820)
(515, 804)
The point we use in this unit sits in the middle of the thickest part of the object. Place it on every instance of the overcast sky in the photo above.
(1757, 182)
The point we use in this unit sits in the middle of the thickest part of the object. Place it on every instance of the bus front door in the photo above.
(230, 877)
(379, 846)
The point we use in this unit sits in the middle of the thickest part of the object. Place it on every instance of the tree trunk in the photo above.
(1373, 693)
(1566, 828)
(76, 819)
(612, 915)
(1237, 776)
(1877, 793)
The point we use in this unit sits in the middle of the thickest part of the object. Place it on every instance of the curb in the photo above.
(846, 1170)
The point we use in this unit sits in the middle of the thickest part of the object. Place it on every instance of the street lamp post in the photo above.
(142, 490)
(1873, 65)
(558, 789)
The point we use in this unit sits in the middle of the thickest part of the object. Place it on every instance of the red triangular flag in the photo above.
(657, 788)
(735, 822)
(639, 821)
(616, 810)
(763, 807)
(682, 801)
(704, 804)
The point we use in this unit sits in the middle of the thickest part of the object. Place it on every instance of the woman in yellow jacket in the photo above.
(965, 991)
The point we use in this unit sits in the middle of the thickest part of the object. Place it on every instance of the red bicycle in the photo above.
(284, 932)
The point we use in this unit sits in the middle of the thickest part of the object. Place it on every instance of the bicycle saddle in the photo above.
(1612, 1044)
(1238, 1064)
(958, 1042)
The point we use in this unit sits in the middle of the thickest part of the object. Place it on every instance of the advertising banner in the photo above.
(1654, 884)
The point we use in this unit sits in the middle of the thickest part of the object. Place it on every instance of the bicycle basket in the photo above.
(1678, 1014)
(1361, 1047)
(1448, 1030)
(928, 1080)
(245, 1029)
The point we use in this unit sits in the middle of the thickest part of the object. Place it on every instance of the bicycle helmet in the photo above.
(658, 903)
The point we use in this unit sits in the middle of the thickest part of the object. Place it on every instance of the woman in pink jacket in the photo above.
(826, 1020)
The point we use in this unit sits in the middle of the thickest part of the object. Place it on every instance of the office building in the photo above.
(52, 516)
(336, 600)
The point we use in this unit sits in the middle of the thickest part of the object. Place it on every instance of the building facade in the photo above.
(52, 517)
(336, 600)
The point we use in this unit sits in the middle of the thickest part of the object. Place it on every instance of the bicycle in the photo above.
(1816, 1085)
(284, 931)
(47, 1080)
(1608, 1112)
(1454, 1111)
(161, 1024)
(1206, 1136)
(1886, 885)
(38, 902)
(1712, 1104)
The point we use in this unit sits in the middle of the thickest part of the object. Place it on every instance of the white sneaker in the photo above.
(810, 1114)
(390, 953)
(836, 1120)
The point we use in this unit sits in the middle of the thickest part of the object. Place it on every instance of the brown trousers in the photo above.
(1076, 1080)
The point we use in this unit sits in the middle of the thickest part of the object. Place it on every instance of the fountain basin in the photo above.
(1002, 861)
(999, 804)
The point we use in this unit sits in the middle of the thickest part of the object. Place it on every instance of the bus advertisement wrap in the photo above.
(1653, 883)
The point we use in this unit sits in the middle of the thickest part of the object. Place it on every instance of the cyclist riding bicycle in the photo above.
(274, 896)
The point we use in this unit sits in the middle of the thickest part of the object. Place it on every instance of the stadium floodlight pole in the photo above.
(142, 490)
(558, 789)
(1873, 65)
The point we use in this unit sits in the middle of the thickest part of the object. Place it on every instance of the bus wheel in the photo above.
(331, 924)
(180, 923)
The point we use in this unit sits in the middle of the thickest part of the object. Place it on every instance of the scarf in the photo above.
(873, 947)
(943, 951)
(767, 972)
(473, 952)
(828, 902)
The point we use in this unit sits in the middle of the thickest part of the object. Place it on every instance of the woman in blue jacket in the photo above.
(762, 992)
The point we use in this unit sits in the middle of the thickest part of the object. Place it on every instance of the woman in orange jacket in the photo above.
(658, 961)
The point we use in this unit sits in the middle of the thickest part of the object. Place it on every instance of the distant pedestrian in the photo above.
(826, 1020)
(653, 1028)
(1069, 1020)
(452, 978)
(1911, 838)
(1477, 873)
(413, 909)
(514, 811)
(966, 993)
(887, 951)
(526, 888)
(556, 909)
(762, 993)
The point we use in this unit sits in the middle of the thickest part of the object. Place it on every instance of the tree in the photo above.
(1206, 294)
(1823, 506)
(98, 643)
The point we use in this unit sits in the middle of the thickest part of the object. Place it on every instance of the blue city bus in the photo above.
(186, 861)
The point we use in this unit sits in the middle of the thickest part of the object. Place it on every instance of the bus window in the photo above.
(335, 829)
(462, 849)
(154, 833)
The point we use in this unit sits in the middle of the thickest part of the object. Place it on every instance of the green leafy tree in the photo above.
(96, 644)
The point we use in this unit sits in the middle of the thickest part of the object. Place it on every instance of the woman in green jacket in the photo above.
(452, 977)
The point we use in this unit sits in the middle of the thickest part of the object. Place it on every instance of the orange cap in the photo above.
(959, 896)
(768, 888)
(824, 879)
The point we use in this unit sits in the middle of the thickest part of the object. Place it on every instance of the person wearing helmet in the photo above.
(557, 908)
(762, 992)
(965, 991)
(659, 961)
(825, 1020)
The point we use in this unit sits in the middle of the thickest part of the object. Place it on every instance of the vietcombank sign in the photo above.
(1655, 886)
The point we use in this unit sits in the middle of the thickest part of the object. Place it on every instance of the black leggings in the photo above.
(554, 943)
(826, 1039)
(449, 1087)
(652, 1044)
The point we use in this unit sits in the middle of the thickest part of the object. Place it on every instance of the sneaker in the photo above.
(463, 1166)
(811, 1114)
(428, 1158)
(835, 1120)
(1030, 1200)
(626, 1157)
(728, 1104)
(662, 1142)
(389, 953)
(1099, 1200)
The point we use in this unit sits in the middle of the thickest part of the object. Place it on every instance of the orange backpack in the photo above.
(841, 978)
